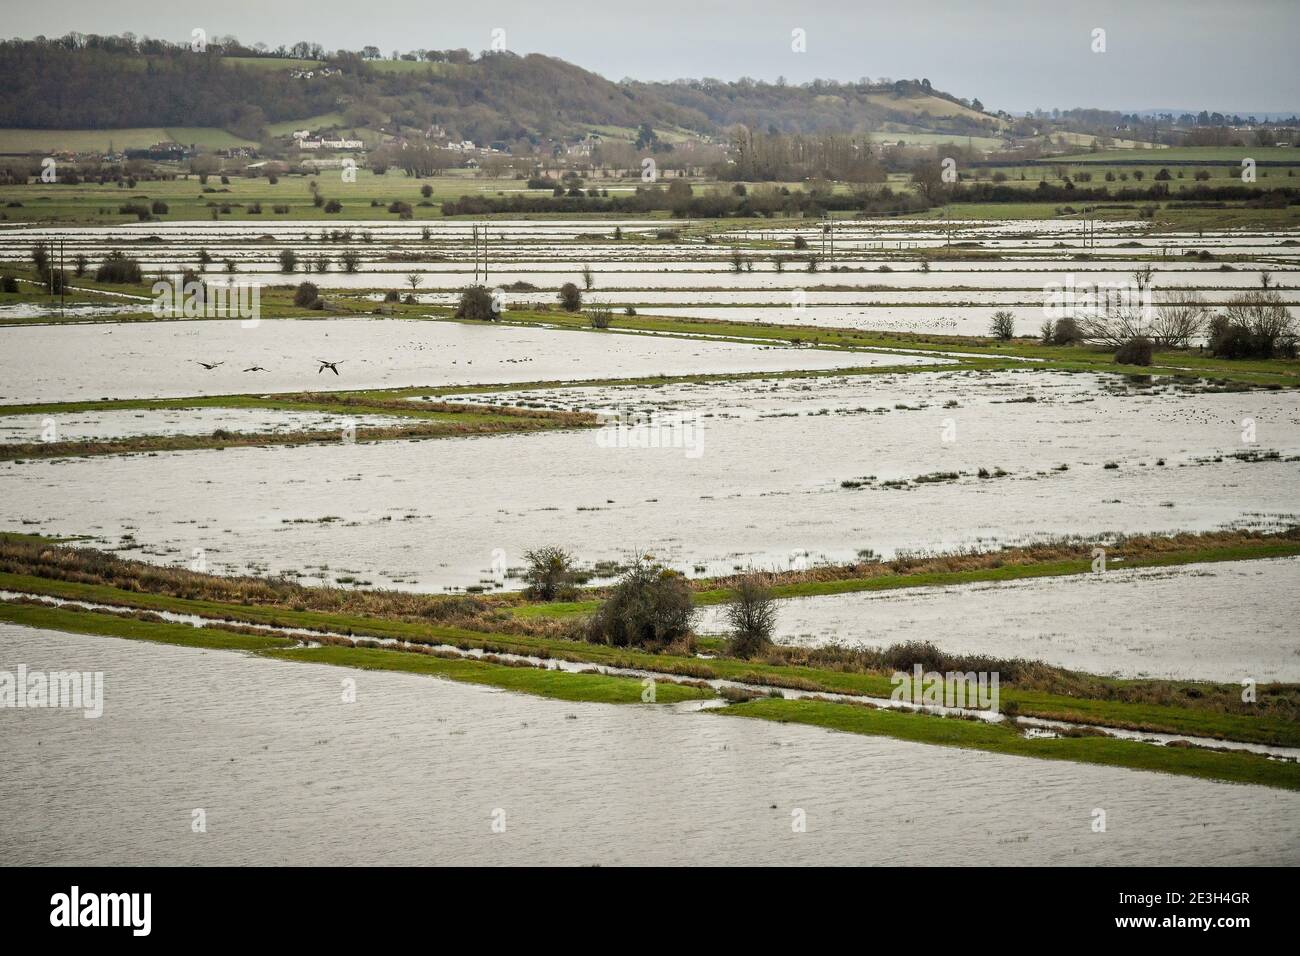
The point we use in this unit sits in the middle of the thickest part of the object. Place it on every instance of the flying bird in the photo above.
(255, 368)
(332, 366)
(211, 365)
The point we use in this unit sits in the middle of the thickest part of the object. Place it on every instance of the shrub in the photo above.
(1003, 325)
(549, 575)
(1066, 332)
(752, 616)
(392, 295)
(1255, 325)
(334, 206)
(649, 607)
(570, 297)
(116, 267)
(158, 207)
(8, 284)
(476, 303)
(288, 260)
(600, 317)
(305, 294)
(1136, 351)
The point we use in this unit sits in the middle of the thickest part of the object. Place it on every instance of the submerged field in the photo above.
(839, 420)
(758, 474)
(569, 777)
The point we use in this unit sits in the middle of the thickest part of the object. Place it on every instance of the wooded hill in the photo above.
(87, 82)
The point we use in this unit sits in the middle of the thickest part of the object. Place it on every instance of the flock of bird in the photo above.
(332, 366)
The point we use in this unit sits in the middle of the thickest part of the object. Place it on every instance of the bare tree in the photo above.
(1176, 323)
(1265, 321)
(1003, 325)
(752, 615)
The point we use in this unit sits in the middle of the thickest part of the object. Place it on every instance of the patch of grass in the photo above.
(1128, 714)
(600, 688)
(558, 685)
(109, 625)
(978, 735)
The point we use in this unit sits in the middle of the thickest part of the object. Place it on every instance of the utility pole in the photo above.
(62, 278)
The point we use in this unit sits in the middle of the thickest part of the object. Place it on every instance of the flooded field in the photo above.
(161, 359)
(766, 473)
(1020, 258)
(413, 771)
(1220, 622)
(101, 425)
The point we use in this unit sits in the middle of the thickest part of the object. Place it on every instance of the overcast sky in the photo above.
(1226, 55)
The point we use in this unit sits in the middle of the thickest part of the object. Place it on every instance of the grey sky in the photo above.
(1227, 55)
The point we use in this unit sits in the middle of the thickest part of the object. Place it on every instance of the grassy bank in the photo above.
(991, 738)
(995, 355)
(1049, 559)
(594, 688)
(1035, 689)
(422, 421)
(598, 688)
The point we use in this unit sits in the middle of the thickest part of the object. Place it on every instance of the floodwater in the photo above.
(102, 425)
(161, 359)
(868, 254)
(745, 474)
(1219, 622)
(417, 770)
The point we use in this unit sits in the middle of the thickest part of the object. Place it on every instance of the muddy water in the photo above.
(161, 359)
(766, 489)
(412, 772)
(99, 425)
(1221, 622)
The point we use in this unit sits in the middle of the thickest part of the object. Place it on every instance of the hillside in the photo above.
(115, 84)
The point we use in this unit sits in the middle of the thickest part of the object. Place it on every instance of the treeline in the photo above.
(683, 204)
(1156, 192)
(765, 157)
(51, 87)
(498, 97)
